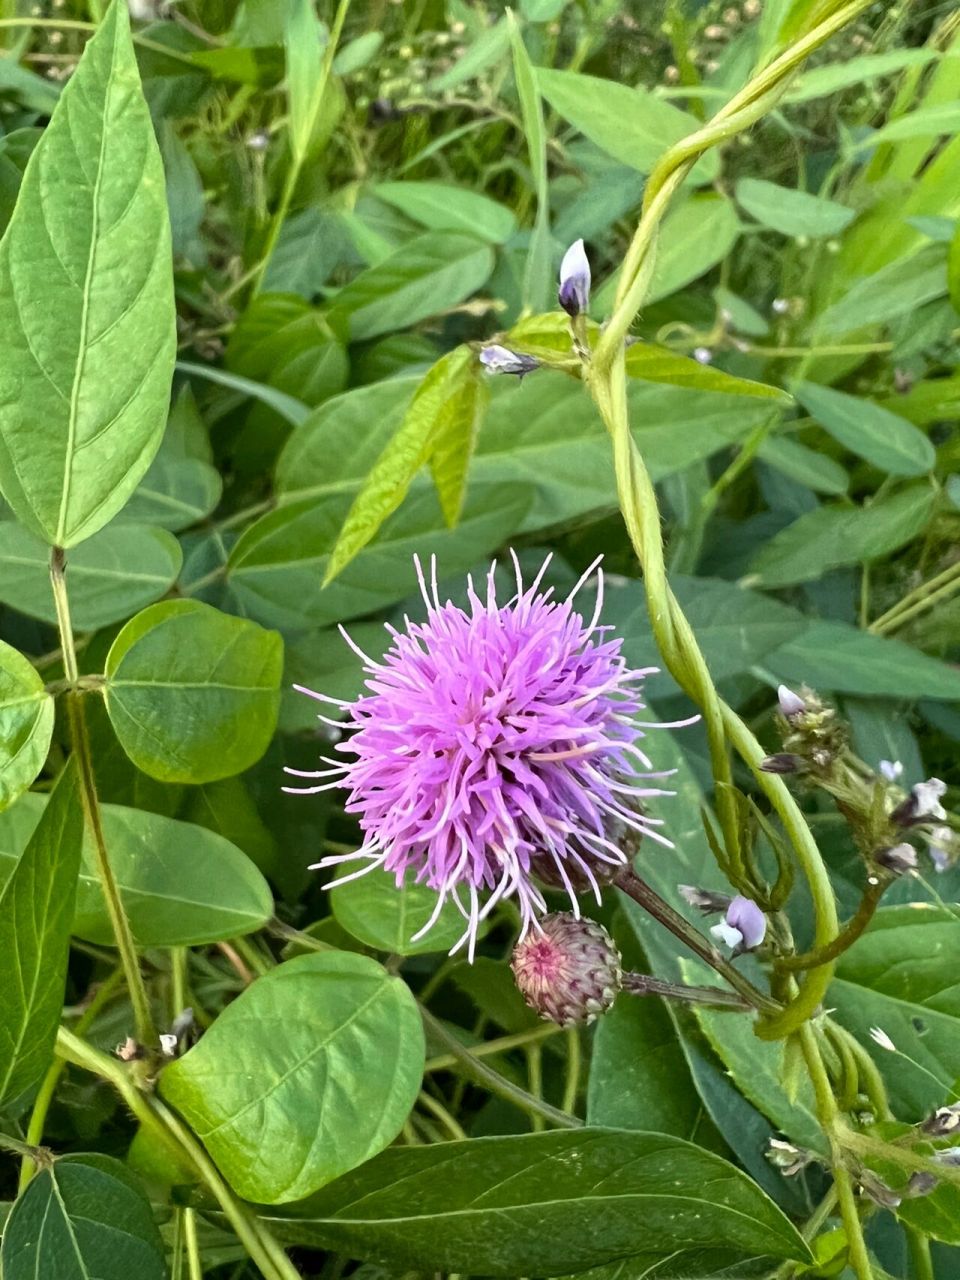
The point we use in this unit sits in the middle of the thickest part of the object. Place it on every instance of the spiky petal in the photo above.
(491, 739)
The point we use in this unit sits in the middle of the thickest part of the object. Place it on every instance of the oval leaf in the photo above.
(86, 1216)
(115, 573)
(541, 1204)
(193, 693)
(26, 724)
(791, 212)
(276, 1090)
(86, 303)
(882, 438)
(373, 910)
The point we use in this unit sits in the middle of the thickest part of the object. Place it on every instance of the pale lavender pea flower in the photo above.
(574, 292)
(491, 739)
(940, 846)
(891, 770)
(743, 927)
(922, 804)
(790, 703)
(497, 359)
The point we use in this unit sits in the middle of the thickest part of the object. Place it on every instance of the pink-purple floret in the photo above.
(491, 738)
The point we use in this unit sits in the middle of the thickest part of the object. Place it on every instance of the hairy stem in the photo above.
(143, 1017)
(642, 984)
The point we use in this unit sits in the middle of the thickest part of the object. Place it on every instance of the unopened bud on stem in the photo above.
(570, 971)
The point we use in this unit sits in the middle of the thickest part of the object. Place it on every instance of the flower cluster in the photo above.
(491, 740)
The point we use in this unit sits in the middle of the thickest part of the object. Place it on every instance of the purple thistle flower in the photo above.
(493, 739)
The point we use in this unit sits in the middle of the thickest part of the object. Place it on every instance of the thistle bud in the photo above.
(574, 292)
(570, 971)
(497, 359)
(744, 926)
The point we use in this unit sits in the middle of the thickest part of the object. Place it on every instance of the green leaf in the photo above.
(925, 122)
(651, 363)
(86, 303)
(953, 269)
(284, 342)
(181, 885)
(487, 49)
(734, 627)
(373, 910)
(86, 1216)
(273, 1089)
(541, 1204)
(193, 693)
(792, 212)
(358, 53)
(175, 493)
(277, 563)
(632, 125)
(695, 236)
(112, 575)
(829, 537)
(895, 290)
(901, 976)
(424, 277)
(304, 38)
(834, 77)
(807, 466)
(440, 206)
(291, 409)
(445, 405)
(537, 273)
(455, 439)
(837, 657)
(26, 724)
(887, 441)
(36, 908)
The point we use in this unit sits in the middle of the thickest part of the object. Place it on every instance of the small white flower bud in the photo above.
(574, 292)
(790, 703)
(497, 359)
(702, 355)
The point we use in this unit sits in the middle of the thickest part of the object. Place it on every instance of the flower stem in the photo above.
(851, 931)
(153, 1115)
(483, 1075)
(631, 884)
(490, 1047)
(918, 1246)
(843, 1184)
(641, 984)
(143, 1017)
(925, 596)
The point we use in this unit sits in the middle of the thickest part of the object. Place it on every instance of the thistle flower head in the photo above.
(569, 971)
(492, 740)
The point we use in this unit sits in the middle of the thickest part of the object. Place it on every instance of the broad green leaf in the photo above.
(834, 77)
(175, 493)
(631, 125)
(925, 122)
(440, 206)
(895, 290)
(537, 268)
(756, 1068)
(193, 693)
(569, 469)
(937, 1215)
(651, 363)
(323, 660)
(837, 657)
(792, 212)
(455, 440)
(86, 303)
(185, 200)
(375, 911)
(695, 236)
(36, 908)
(807, 466)
(901, 976)
(26, 724)
(444, 405)
(879, 733)
(887, 441)
(734, 627)
(284, 342)
(424, 277)
(312, 243)
(358, 53)
(278, 564)
(829, 537)
(181, 884)
(288, 407)
(541, 1204)
(487, 49)
(86, 1216)
(275, 1089)
(109, 577)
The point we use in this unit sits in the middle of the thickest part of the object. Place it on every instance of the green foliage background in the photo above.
(251, 251)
